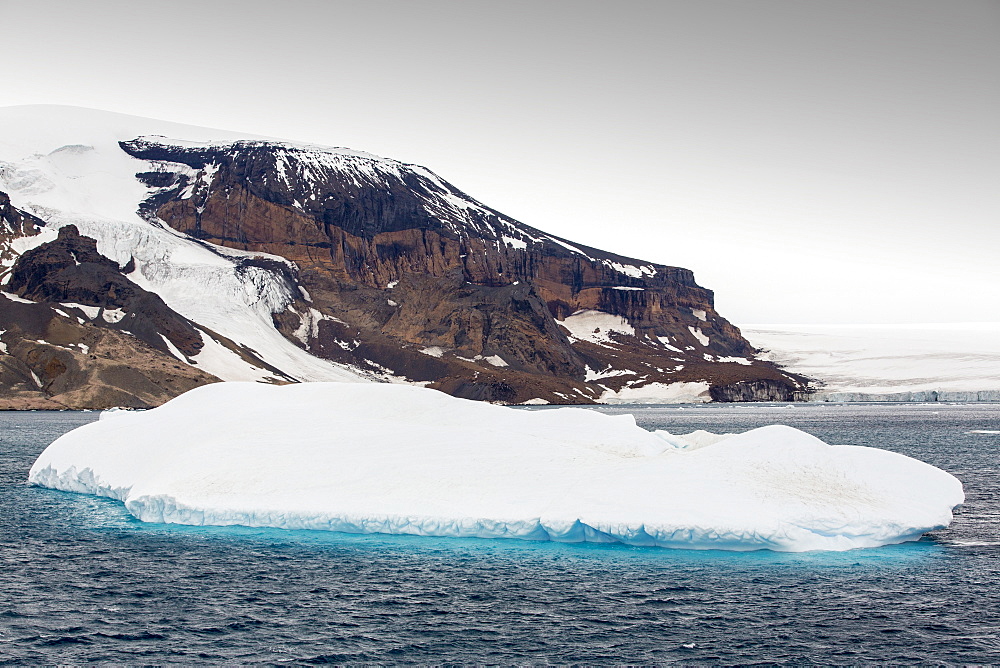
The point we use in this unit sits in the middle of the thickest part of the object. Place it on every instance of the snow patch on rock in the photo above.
(735, 360)
(596, 326)
(14, 298)
(659, 393)
(609, 372)
(113, 315)
(697, 333)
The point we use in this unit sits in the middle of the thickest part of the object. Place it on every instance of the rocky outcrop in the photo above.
(14, 224)
(755, 390)
(55, 357)
(70, 270)
(75, 332)
(404, 274)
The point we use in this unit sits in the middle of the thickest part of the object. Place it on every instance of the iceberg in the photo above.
(367, 458)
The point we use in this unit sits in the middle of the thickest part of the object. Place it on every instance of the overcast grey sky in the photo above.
(810, 161)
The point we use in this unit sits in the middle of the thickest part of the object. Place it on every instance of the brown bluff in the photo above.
(401, 273)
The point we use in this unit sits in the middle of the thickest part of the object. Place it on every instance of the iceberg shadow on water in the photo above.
(396, 459)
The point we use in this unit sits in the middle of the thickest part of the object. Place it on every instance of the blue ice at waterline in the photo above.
(394, 459)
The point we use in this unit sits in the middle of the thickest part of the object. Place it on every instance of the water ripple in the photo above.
(81, 581)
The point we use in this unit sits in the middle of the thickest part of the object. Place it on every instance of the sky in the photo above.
(811, 161)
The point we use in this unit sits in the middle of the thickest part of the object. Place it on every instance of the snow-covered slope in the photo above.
(396, 459)
(955, 361)
(65, 165)
(298, 262)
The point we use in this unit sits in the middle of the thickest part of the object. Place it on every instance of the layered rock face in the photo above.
(402, 274)
(137, 267)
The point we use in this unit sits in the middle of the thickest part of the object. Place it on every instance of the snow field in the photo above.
(886, 359)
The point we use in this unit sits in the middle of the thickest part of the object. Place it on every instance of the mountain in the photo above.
(237, 257)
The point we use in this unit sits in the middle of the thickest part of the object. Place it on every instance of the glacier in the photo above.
(900, 362)
(65, 165)
(384, 458)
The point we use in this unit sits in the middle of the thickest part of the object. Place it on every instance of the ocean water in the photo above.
(81, 581)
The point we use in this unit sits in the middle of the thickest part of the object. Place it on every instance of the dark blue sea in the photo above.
(81, 581)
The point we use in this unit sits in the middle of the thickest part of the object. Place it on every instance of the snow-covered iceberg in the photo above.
(396, 459)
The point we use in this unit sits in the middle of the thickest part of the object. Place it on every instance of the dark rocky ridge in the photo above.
(55, 358)
(466, 281)
(75, 332)
(70, 269)
(14, 223)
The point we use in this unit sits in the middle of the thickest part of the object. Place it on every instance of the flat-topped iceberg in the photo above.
(399, 459)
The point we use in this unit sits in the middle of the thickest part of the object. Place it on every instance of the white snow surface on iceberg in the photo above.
(367, 458)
